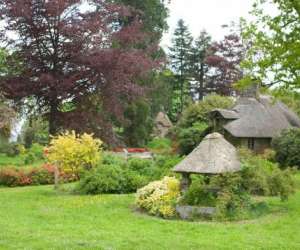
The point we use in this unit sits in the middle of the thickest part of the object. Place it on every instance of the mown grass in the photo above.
(17, 161)
(41, 218)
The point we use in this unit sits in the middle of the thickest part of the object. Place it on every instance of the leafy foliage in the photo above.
(110, 179)
(67, 54)
(117, 175)
(263, 177)
(74, 153)
(13, 177)
(193, 125)
(139, 124)
(287, 148)
(160, 146)
(274, 55)
(159, 197)
(154, 14)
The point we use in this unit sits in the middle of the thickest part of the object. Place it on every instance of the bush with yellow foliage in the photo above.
(73, 153)
(159, 197)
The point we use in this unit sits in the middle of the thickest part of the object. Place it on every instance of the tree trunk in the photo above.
(53, 118)
(201, 84)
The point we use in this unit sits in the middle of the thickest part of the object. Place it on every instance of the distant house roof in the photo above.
(260, 117)
(214, 155)
(225, 113)
(163, 120)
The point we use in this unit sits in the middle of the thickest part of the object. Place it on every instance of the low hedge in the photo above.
(44, 175)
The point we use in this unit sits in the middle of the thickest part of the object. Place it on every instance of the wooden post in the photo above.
(56, 177)
(185, 182)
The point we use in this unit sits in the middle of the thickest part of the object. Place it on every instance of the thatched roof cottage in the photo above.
(254, 121)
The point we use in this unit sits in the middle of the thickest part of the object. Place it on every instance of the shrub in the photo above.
(112, 159)
(194, 123)
(232, 201)
(281, 183)
(160, 146)
(9, 177)
(199, 195)
(287, 148)
(138, 129)
(11, 149)
(74, 153)
(29, 158)
(232, 205)
(141, 166)
(43, 175)
(263, 177)
(12, 177)
(109, 179)
(37, 150)
(189, 138)
(29, 137)
(198, 112)
(159, 197)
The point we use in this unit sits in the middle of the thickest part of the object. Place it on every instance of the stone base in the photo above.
(192, 212)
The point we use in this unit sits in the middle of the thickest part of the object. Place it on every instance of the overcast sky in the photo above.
(206, 14)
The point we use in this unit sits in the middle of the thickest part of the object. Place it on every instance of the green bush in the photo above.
(194, 123)
(37, 150)
(189, 138)
(287, 148)
(29, 134)
(263, 177)
(160, 146)
(141, 166)
(112, 159)
(199, 195)
(11, 149)
(110, 179)
(29, 158)
(232, 205)
(138, 129)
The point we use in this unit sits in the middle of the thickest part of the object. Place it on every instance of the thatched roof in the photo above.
(163, 120)
(227, 114)
(162, 125)
(260, 117)
(214, 155)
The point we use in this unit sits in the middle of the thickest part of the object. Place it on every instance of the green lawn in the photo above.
(17, 161)
(40, 218)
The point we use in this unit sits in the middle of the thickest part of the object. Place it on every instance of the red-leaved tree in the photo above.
(224, 62)
(69, 50)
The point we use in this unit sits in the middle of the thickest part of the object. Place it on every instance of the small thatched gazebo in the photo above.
(214, 155)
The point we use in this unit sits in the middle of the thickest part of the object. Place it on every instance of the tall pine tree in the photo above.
(179, 58)
(198, 65)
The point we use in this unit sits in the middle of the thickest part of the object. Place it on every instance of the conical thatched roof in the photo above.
(214, 155)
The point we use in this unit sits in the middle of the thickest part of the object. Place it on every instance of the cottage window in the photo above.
(251, 143)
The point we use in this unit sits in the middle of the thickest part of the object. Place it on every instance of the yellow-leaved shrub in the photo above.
(159, 197)
(73, 153)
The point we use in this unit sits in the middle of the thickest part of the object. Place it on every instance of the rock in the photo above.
(191, 212)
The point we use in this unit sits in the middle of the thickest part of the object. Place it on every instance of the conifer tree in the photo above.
(179, 56)
(198, 65)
